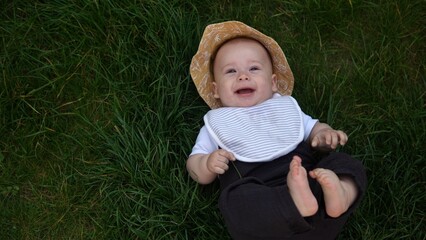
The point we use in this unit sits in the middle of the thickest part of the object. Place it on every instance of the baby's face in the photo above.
(243, 74)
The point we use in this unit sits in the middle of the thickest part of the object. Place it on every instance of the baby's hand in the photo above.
(217, 162)
(329, 138)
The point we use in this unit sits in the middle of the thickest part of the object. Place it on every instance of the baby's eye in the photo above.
(231, 70)
(254, 68)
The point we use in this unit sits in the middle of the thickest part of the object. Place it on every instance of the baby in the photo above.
(254, 129)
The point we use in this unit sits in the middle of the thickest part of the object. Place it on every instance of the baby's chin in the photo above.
(243, 104)
(248, 100)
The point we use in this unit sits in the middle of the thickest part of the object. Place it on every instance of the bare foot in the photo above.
(297, 182)
(339, 193)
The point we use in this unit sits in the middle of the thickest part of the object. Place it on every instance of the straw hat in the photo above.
(213, 37)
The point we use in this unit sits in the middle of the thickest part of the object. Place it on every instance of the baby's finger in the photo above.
(337, 139)
(224, 161)
(314, 142)
(226, 154)
(343, 137)
(219, 170)
(232, 157)
(328, 139)
(225, 167)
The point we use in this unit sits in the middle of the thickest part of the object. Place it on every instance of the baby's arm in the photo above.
(324, 137)
(204, 168)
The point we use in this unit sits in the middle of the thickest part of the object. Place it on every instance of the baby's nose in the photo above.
(243, 77)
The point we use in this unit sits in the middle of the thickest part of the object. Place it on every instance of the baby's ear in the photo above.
(274, 83)
(215, 91)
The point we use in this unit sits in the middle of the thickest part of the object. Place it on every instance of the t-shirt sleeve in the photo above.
(204, 143)
(308, 123)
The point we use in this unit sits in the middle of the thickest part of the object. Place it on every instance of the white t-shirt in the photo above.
(278, 134)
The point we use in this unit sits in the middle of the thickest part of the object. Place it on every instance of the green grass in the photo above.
(98, 111)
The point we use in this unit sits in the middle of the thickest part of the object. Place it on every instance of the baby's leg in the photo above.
(300, 192)
(339, 192)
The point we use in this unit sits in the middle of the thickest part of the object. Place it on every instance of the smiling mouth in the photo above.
(245, 91)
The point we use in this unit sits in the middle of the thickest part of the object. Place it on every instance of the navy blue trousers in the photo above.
(256, 204)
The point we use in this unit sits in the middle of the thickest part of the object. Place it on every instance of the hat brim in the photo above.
(213, 37)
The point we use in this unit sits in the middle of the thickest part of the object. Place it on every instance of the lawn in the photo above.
(98, 112)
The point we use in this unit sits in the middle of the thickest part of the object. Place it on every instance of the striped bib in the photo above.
(259, 133)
